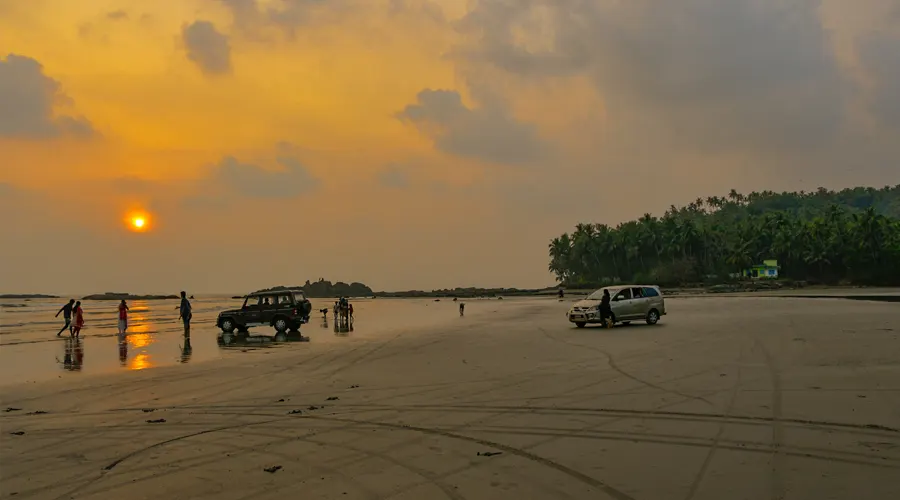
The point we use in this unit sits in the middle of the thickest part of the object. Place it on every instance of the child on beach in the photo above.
(123, 317)
(79, 319)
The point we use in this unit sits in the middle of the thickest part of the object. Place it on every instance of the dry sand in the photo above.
(727, 398)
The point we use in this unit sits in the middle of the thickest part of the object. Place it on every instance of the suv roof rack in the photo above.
(276, 292)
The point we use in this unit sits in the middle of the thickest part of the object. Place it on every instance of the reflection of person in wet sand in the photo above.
(186, 349)
(123, 317)
(73, 356)
(67, 315)
(123, 349)
(77, 354)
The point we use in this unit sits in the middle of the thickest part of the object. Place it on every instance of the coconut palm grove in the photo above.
(850, 236)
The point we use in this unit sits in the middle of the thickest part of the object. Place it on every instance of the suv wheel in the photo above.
(280, 324)
(652, 317)
(228, 325)
(580, 324)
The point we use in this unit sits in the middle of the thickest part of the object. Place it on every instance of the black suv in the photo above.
(285, 310)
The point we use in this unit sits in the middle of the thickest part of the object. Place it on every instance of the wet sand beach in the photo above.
(727, 398)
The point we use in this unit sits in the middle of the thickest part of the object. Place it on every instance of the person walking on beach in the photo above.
(123, 317)
(462, 308)
(184, 313)
(67, 315)
(79, 319)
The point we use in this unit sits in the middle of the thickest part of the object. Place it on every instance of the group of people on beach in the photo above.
(343, 304)
(73, 314)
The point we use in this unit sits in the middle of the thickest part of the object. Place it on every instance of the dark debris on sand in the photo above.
(39, 412)
(313, 408)
(489, 453)
(333, 398)
(18, 433)
(12, 409)
(295, 412)
(148, 410)
(157, 421)
(273, 469)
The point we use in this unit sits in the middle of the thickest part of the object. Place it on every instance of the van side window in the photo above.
(623, 295)
(650, 292)
(637, 293)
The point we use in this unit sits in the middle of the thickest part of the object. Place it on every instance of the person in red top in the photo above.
(123, 317)
(79, 319)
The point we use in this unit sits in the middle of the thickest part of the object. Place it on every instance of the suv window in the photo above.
(637, 292)
(251, 302)
(623, 295)
(650, 292)
(284, 301)
(268, 301)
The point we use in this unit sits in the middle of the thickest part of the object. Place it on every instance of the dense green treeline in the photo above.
(824, 236)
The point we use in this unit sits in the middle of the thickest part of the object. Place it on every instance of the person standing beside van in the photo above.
(605, 309)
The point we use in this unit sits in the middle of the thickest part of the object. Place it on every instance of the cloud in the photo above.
(288, 14)
(27, 99)
(714, 74)
(880, 55)
(487, 133)
(209, 49)
(252, 181)
(394, 177)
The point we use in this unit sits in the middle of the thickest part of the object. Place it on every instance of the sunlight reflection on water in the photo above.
(31, 351)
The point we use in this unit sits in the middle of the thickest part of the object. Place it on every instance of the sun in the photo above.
(138, 222)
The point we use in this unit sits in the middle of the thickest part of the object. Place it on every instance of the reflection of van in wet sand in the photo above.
(628, 303)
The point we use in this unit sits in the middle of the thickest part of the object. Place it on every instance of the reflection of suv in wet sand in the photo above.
(628, 302)
(285, 310)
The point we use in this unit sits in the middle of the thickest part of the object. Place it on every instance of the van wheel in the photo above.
(228, 325)
(652, 317)
(281, 325)
(580, 324)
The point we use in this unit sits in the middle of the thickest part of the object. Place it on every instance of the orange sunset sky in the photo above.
(410, 143)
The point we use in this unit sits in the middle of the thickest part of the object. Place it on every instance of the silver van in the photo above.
(628, 303)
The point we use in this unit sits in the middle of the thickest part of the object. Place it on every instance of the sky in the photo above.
(410, 144)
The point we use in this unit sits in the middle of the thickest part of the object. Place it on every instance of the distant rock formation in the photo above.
(28, 296)
(127, 296)
(326, 289)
